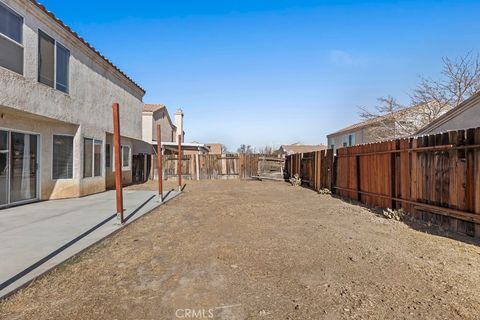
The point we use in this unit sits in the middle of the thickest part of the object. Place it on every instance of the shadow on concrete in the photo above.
(54, 253)
(138, 209)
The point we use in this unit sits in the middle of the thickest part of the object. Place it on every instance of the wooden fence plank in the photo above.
(441, 171)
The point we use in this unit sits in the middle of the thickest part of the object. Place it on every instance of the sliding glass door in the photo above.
(4, 159)
(23, 167)
(18, 167)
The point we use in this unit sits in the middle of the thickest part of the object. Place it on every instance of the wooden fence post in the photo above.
(393, 173)
(334, 173)
(179, 162)
(118, 161)
(159, 162)
(357, 163)
(197, 165)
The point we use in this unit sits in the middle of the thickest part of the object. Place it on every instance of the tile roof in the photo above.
(152, 107)
(76, 35)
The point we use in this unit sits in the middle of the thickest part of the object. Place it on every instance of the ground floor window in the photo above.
(108, 156)
(92, 158)
(62, 164)
(97, 158)
(125, 156)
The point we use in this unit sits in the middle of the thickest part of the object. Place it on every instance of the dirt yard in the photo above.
(260, 250)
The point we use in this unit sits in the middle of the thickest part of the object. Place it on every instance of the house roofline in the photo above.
(366, 123)
(161, 107)
(84, 42)
(465, 105)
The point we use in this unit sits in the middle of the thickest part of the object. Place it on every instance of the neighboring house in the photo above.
(288, 149)
(153, 114)
(390, 126)
(215, 148)
(466, 115)
(56, 100)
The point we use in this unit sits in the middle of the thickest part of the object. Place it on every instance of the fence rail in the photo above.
(209, 167)
(434, 177)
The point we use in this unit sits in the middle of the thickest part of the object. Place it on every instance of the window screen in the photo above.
(46, 59)
(87, 157)
(63, 58)
(11, 24)
(126, 156)
(97, 158)
(11, 55)
(62, 157)
(11, 52)
(108, 156)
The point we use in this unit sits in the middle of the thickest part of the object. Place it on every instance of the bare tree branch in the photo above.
(459, 79)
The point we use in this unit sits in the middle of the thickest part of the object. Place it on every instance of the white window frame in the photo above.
(39, 164)
(55, 42)
(129, 157)
(124, 168)
(73, 158)
(110, 154)
(14, 41)
(102, 164)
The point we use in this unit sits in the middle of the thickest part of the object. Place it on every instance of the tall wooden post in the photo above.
(159, 162)
(197, 164)
(179, 162)
(118, 160)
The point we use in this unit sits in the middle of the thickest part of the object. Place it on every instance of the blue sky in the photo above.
(269, 72)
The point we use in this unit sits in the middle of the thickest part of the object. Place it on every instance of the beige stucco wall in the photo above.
(149, 125)
(94, 85)
(338, 139)
(84, 112)
(468, 118)
(49, 188)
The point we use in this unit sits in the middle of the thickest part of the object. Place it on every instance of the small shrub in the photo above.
(397, 215)
(324, 191)
(295, 180)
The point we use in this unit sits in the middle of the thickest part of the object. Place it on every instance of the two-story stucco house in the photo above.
(56, 93)
(153, 114)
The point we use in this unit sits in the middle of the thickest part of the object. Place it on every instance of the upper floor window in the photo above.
(11, 39)
(351, 140)
(53, 63)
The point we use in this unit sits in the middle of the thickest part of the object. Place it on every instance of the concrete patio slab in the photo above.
(37, 237)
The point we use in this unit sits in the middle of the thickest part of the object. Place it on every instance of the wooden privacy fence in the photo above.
(271, 168)
(314, 168)
(205, 166)
(435, 177)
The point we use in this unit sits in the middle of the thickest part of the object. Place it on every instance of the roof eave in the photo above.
(88, 45)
